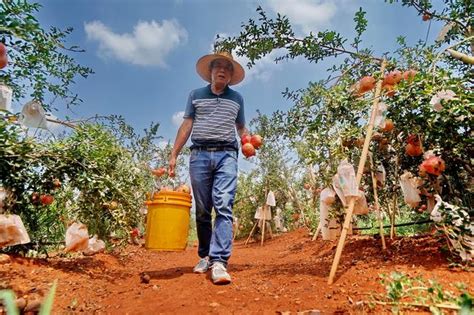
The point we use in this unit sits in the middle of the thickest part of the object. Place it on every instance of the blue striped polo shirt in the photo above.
(214, 116)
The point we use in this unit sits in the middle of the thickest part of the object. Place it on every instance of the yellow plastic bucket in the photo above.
(167, 223)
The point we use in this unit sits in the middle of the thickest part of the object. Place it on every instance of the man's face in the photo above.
(221, 72)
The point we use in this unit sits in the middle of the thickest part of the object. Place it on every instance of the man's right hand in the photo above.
(172, 166)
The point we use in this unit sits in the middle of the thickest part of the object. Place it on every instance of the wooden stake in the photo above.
(360, 170)
(263, 224)
(315, 236)
(251, 232)
(377, 204)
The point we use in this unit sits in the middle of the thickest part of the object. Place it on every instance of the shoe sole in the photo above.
(200, 271)
(221, 281)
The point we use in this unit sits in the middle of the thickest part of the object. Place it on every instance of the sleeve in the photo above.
(189, 111)
(241, 115)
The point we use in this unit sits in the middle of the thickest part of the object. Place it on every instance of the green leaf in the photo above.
(9, 298)
(47, 305)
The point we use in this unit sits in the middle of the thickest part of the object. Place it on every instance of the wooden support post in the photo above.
(251, 232)
(317, 231)
(377, 204)
(360, 170)
(264, 222)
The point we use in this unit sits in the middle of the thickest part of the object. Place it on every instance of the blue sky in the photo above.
(144, 52)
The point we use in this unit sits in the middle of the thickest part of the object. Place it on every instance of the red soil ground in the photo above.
(288, 274)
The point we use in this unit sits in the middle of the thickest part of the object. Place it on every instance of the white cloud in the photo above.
(149, 43)
(311, 15)
(177, 118)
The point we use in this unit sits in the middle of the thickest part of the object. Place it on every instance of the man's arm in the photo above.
(184, 132)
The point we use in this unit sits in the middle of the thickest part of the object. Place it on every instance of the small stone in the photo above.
(145, 278)
(156, 287)
(256, 299)
(20, 303)
(214, 304)
(33, 306)
(328, 296)
(4, 259)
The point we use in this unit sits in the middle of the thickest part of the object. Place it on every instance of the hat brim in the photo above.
(202, 68)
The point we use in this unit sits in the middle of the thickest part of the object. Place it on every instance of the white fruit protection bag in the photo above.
(5, 97)
(409, 185)
(94, 246)
(361, 206)
(77, 237)
(33, 115)
(347, 179)
(327, 198)
(12, 231)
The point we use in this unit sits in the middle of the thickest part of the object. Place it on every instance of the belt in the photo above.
(213, 149)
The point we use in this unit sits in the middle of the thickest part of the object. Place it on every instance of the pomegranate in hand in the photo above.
(248, 150)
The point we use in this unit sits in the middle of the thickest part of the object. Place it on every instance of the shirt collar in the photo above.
(226, 90)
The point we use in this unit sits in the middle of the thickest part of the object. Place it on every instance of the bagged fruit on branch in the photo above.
(324, 217)
(337, 188)
(328, 196)
(435, 101)
(12, 231)
(94, 246)
(409, 185)
(380, 115)
(380, 176)
(361, 206)
(271, 199)
(77, 237)
(261, 211)
(347, 179)
(277, 219)
(33, 115)
(5, 97)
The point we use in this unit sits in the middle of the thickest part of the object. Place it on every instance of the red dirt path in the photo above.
(289, 273)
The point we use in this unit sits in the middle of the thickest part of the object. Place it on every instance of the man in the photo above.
(213, 113)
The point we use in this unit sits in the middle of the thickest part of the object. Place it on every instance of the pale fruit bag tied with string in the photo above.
(409, 185)
(380, 176)
(12, 231)
(277, 220)
(33, 115)
(380, 114)
(327, 197)
(271, 199)
(347, 179)
(361, 206)
(5, 97)
(337, 188)
(77, 237)
(94, 246)
(259, 213)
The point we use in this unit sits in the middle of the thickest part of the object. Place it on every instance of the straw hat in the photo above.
(202, 67)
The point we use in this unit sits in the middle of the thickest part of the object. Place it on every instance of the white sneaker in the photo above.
(219, 274)
(202, 266)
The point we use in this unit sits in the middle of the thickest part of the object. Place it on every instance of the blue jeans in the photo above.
(214, 182)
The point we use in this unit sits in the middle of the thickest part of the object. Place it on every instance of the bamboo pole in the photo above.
(360, 170)
(263, 224)
(317, 231)
(377, 204)
(251, 232)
